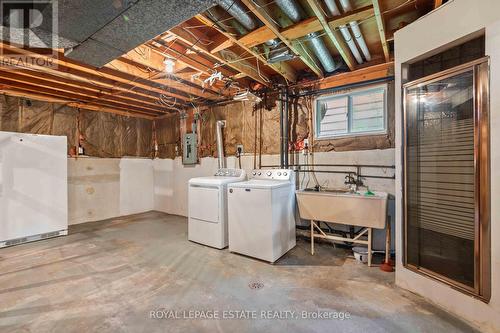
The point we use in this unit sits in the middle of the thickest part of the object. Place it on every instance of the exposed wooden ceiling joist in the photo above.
(375, 72)
(57, 99)
(283, 68)
(305, 27)
(86, 94)
(292, 45)
(381, 29)
(127, 78)
(193, 37)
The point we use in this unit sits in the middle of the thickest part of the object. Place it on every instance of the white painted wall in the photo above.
(136, 185)
(438, 30)
(102, 188)
(171, 177)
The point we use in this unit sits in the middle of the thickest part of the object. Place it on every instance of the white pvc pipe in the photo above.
(350, 42)
(361, 41)
(346, 6)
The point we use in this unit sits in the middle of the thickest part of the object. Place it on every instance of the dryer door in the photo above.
(204, 203)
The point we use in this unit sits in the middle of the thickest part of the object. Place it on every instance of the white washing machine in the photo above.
(261, 214)
(207, 207)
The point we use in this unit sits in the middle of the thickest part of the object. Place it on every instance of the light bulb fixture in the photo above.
(169, 65)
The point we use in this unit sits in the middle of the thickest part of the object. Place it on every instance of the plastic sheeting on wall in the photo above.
(104, 134)
(168, 136)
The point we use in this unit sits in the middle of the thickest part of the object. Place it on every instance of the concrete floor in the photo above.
(108, 276)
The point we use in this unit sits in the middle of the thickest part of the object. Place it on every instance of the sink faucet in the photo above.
(353, 183)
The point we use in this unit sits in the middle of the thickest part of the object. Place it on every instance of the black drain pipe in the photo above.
(282, 155)
(286, 126)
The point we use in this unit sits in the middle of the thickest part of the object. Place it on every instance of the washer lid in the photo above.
(213, 180)
(261, 183)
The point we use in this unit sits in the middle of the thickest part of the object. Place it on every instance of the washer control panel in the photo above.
(229, 173)
(277, 174)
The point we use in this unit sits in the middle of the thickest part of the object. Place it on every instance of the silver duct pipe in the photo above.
(322, 53)
(356, 31)
(295, 13)
(239, 13)
(220, 144)
(291, 9)
(333, 10)
(236, 10)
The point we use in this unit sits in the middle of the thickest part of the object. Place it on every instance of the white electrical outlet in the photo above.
(239, 150)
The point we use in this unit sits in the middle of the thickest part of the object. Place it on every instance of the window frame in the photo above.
(349, 94)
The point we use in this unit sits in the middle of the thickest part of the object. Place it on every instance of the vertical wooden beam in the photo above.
(343, 50)
(294, 46)
(381, 29)
(437, 3)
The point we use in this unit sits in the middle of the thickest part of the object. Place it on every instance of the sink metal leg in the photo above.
(369, 247)
(312, 237)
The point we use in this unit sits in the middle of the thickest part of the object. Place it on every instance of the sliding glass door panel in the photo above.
(442, 178)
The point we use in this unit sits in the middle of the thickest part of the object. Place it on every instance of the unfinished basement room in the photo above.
(250, 166)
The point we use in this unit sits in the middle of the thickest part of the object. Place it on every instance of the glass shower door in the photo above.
(444, 227)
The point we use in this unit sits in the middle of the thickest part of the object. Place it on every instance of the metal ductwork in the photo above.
(236, 10)
(333, 10)
(239, 13)
(295, 13)
(220, 144)
(291, 9)
(356, 31)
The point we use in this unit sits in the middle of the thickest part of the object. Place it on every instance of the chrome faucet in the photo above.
(353, 183)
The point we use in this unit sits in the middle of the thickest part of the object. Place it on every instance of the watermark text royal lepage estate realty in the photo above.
(246, 315)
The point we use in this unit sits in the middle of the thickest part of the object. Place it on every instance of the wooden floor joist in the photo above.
(303, 28)
(375, 72)
(294, 46)
(84, 93)
(242, 66)
(381, 29)
(114, 78)
(282, 68)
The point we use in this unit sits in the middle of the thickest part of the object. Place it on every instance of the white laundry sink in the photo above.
(356, 209)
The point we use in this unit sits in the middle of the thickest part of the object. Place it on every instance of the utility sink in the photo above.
(344, 207)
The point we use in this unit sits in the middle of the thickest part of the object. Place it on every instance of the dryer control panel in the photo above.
(273, 174)
(229, 173)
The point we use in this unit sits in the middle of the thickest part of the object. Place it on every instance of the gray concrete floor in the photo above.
(108, 276)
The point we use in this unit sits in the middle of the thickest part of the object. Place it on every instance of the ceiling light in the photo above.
(169, 65)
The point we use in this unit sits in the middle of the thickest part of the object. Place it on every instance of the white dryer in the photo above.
(261, 214)
(207, 207)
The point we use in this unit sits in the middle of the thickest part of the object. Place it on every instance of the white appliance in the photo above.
(33, 187)
(207, 207)
(261, 214)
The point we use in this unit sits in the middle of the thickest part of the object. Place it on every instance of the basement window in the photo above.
(361, 112)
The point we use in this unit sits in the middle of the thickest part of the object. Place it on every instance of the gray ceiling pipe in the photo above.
(333, 10)
(355, 30)
(295, 13)
(236, 10)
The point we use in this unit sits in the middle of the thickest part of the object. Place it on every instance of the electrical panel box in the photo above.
(189, 149)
